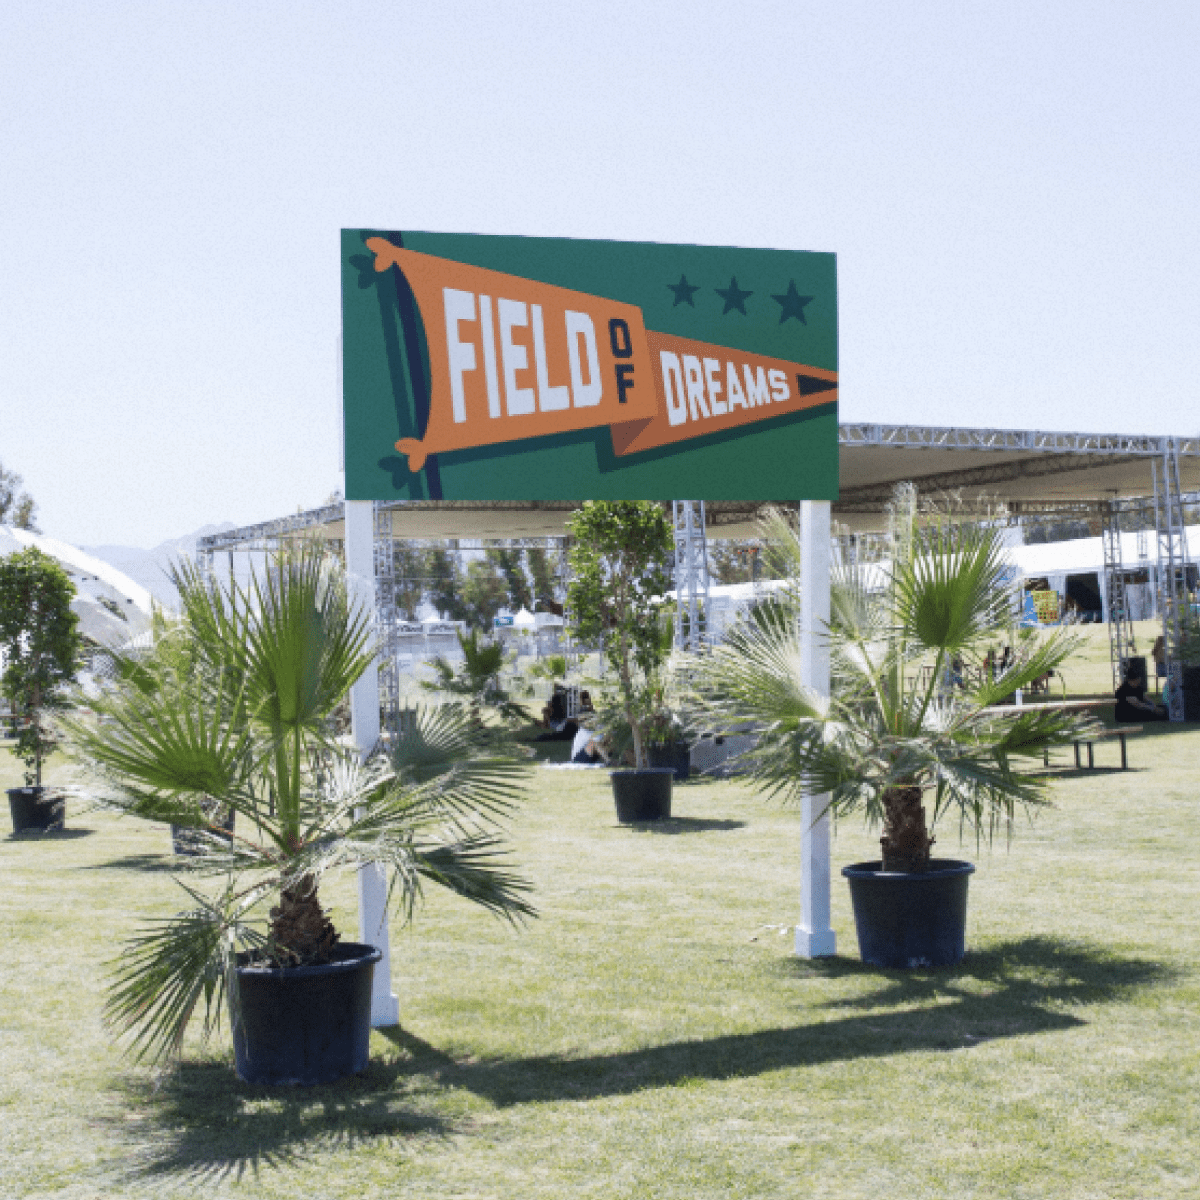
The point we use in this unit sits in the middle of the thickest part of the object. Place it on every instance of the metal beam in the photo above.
(266, 534)
(870, 497)
(932, 437)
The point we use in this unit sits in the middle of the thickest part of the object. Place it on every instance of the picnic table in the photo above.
(1089, 740)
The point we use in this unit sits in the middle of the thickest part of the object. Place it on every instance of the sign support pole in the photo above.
(814, 935)
(364, 721)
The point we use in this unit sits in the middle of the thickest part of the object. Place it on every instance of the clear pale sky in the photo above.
(1012, 191)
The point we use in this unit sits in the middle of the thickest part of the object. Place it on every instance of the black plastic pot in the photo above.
(35, 808)
(643, 795)
(191, 842)
(916, 919)
(678, 757)
(1191, 693)
(304, 1025)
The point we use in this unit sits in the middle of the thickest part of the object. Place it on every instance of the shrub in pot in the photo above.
(41, 647)
(618, 559)
(249, 727)
(892, 737)
(1187, 657)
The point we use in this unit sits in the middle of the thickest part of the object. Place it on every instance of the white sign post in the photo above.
(814, 935)
(364, 720)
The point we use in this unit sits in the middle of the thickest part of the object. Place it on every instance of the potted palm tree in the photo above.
(619, 574)
(897, 732)
(477, 679)
(40, 647)
(248, 728)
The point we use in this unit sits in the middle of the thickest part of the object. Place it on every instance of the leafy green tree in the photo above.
(734, 561)
(507, 560)
(16, 507)
(484, 593)
(408, 569)
(444, 582)
(619, 573)
(248, 727)
(890, 733)
(552, 667)
(41, 647)
(543, 571)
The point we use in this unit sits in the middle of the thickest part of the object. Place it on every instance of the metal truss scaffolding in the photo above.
(1172, 570)
(1121, 641)
(691, 575)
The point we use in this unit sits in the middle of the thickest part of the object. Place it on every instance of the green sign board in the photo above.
(511, 368)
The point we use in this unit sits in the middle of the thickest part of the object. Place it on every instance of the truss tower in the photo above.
(691, 575)
(1122, 643)
(1173, 581)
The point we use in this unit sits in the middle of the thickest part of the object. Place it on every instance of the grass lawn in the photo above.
(651, 1035)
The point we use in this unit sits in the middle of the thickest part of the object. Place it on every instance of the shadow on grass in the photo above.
(49, 835)
(1017, 989)
(686, 825)
(203, 1122)
(137, 862)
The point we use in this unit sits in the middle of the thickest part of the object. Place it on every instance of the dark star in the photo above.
(792, 304)
(683, 291)
(733, 296)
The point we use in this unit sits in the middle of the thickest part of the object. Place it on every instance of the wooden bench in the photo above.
(1102, 735)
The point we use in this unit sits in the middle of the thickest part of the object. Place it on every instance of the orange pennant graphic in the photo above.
(705, 389)
(512, 358)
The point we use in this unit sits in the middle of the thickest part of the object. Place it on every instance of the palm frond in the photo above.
(1034, 659)
(305, 643)
(182, 739)
(168, 967)
(475, 868)
(464, 769)
(756, 677)
(951, 593)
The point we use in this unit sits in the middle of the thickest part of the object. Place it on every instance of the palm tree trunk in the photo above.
(300, 933)
(906, 841)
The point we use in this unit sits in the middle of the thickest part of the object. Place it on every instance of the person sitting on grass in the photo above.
(1132, 705)
(555, 712)
(587, 749)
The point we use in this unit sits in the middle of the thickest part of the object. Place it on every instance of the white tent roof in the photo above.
(1083, 555)
(82, 567)
(110, 606)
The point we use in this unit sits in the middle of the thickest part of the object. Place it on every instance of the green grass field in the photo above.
(651, 1035)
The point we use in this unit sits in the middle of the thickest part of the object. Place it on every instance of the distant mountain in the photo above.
(149, 567)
